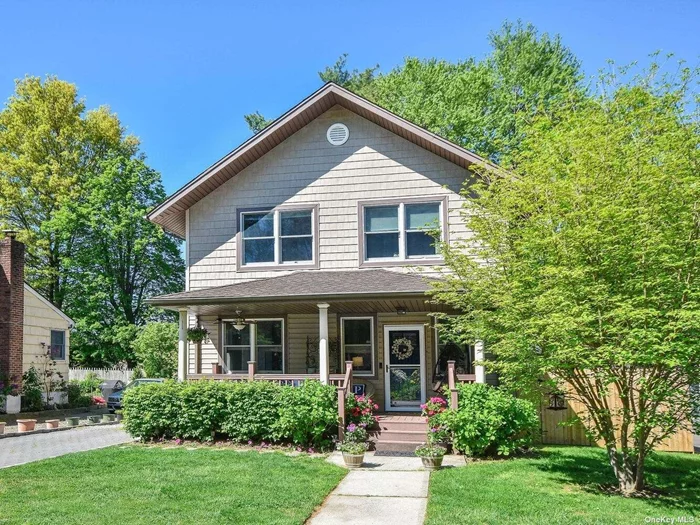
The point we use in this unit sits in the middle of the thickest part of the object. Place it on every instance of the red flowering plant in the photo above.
(431, 410)
(360, 411)
(97, 400)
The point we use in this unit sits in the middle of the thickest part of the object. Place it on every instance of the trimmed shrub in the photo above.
(307, 414)
(490, 421)
(251, 411)
(258, 410)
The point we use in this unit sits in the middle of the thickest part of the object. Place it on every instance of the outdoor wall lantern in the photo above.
(557, 401)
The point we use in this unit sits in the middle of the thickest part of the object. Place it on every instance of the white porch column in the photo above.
(253, 342)
(479, 370)
(323, 341)
(182, 347)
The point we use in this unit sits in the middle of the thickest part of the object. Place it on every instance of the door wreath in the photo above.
(402, 348)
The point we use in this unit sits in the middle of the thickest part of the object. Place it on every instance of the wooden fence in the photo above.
(102, 373)
(555, 434)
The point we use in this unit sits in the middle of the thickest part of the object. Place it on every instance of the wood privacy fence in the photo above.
(555, 434)
(102, 373)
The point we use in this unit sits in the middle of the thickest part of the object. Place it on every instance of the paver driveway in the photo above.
(25, 449)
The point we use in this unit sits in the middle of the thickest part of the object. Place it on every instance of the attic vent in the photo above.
(338, 134)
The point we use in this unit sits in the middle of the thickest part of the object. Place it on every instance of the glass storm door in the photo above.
(404, 372)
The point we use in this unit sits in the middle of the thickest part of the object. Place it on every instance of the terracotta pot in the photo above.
(52, 423)
(2, 427)
(93, 419)
(434, 463)
(353, 460)
(73, 421)
(26, 425)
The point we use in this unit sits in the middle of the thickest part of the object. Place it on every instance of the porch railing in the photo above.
(452, 379)
(342, 382)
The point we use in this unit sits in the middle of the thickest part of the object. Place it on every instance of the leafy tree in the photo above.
(156, 349)
(583, 269)
(354, 80)
(121, 260)
(256, 122)
(483, 105)
(49, 144)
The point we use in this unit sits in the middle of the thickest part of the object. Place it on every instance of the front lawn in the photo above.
(137, 484)
(561, 485)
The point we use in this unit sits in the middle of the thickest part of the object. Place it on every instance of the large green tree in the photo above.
(583, 273)
(121, 259)
(483, 105)
(49, 144)
(74, 185)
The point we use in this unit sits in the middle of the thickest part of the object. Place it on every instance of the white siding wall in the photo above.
(39, 320)
(373, 163)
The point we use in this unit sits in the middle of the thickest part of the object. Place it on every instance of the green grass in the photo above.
(137, 484)
(561, 485)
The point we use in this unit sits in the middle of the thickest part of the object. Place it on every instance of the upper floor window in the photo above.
(277, 237)
(401, 231)
(58, 344)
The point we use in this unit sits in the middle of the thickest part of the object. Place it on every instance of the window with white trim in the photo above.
(270, 346)
(401, 231)
(357, 342)
(58, 344)
(277, 237)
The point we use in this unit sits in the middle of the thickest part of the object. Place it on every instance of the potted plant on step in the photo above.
(354, 445)
(433, 451)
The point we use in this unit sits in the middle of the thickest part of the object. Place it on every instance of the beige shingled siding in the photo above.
(39, 319)
(306, 169)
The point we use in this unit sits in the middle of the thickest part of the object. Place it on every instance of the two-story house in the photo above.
(305, 245)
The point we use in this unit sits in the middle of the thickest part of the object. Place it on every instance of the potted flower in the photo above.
(431, 455)
(432, 452)
(354, 445)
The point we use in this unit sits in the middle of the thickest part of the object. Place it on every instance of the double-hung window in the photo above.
(270, 346)
(402, 231)
(277, 237)
(357, 335)
(58, 344)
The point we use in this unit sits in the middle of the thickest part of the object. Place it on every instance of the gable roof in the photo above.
(48, 303)
(310, 284)
(170, 214)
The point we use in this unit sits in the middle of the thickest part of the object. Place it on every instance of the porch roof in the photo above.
(306, 285)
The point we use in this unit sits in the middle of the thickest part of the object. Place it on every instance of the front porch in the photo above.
(320, 325)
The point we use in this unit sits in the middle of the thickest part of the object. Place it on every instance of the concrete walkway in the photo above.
(387, 490)
(25, 449)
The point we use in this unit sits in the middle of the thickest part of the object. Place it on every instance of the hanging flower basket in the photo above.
(197, 335)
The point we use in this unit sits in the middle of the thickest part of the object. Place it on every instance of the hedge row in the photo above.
(241, 412)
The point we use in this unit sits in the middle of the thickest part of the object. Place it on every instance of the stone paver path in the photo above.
(387, 490)
(25, 449)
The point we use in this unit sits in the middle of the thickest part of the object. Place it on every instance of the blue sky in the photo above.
(180, 75)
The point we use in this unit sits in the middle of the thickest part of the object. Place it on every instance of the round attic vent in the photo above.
(338, 134)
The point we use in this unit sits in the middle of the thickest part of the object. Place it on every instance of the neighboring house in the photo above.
(305, 245)
(30, 326)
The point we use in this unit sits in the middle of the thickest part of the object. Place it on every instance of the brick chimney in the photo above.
(11, 305)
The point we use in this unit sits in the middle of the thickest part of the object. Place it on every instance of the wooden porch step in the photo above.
(380, 436)
(398, 446)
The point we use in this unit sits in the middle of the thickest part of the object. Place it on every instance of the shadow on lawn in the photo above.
(673, 479)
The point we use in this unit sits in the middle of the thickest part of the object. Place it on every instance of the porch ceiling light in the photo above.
(240, 323)
(401, 310)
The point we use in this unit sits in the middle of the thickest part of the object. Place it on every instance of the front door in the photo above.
(404, 373)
